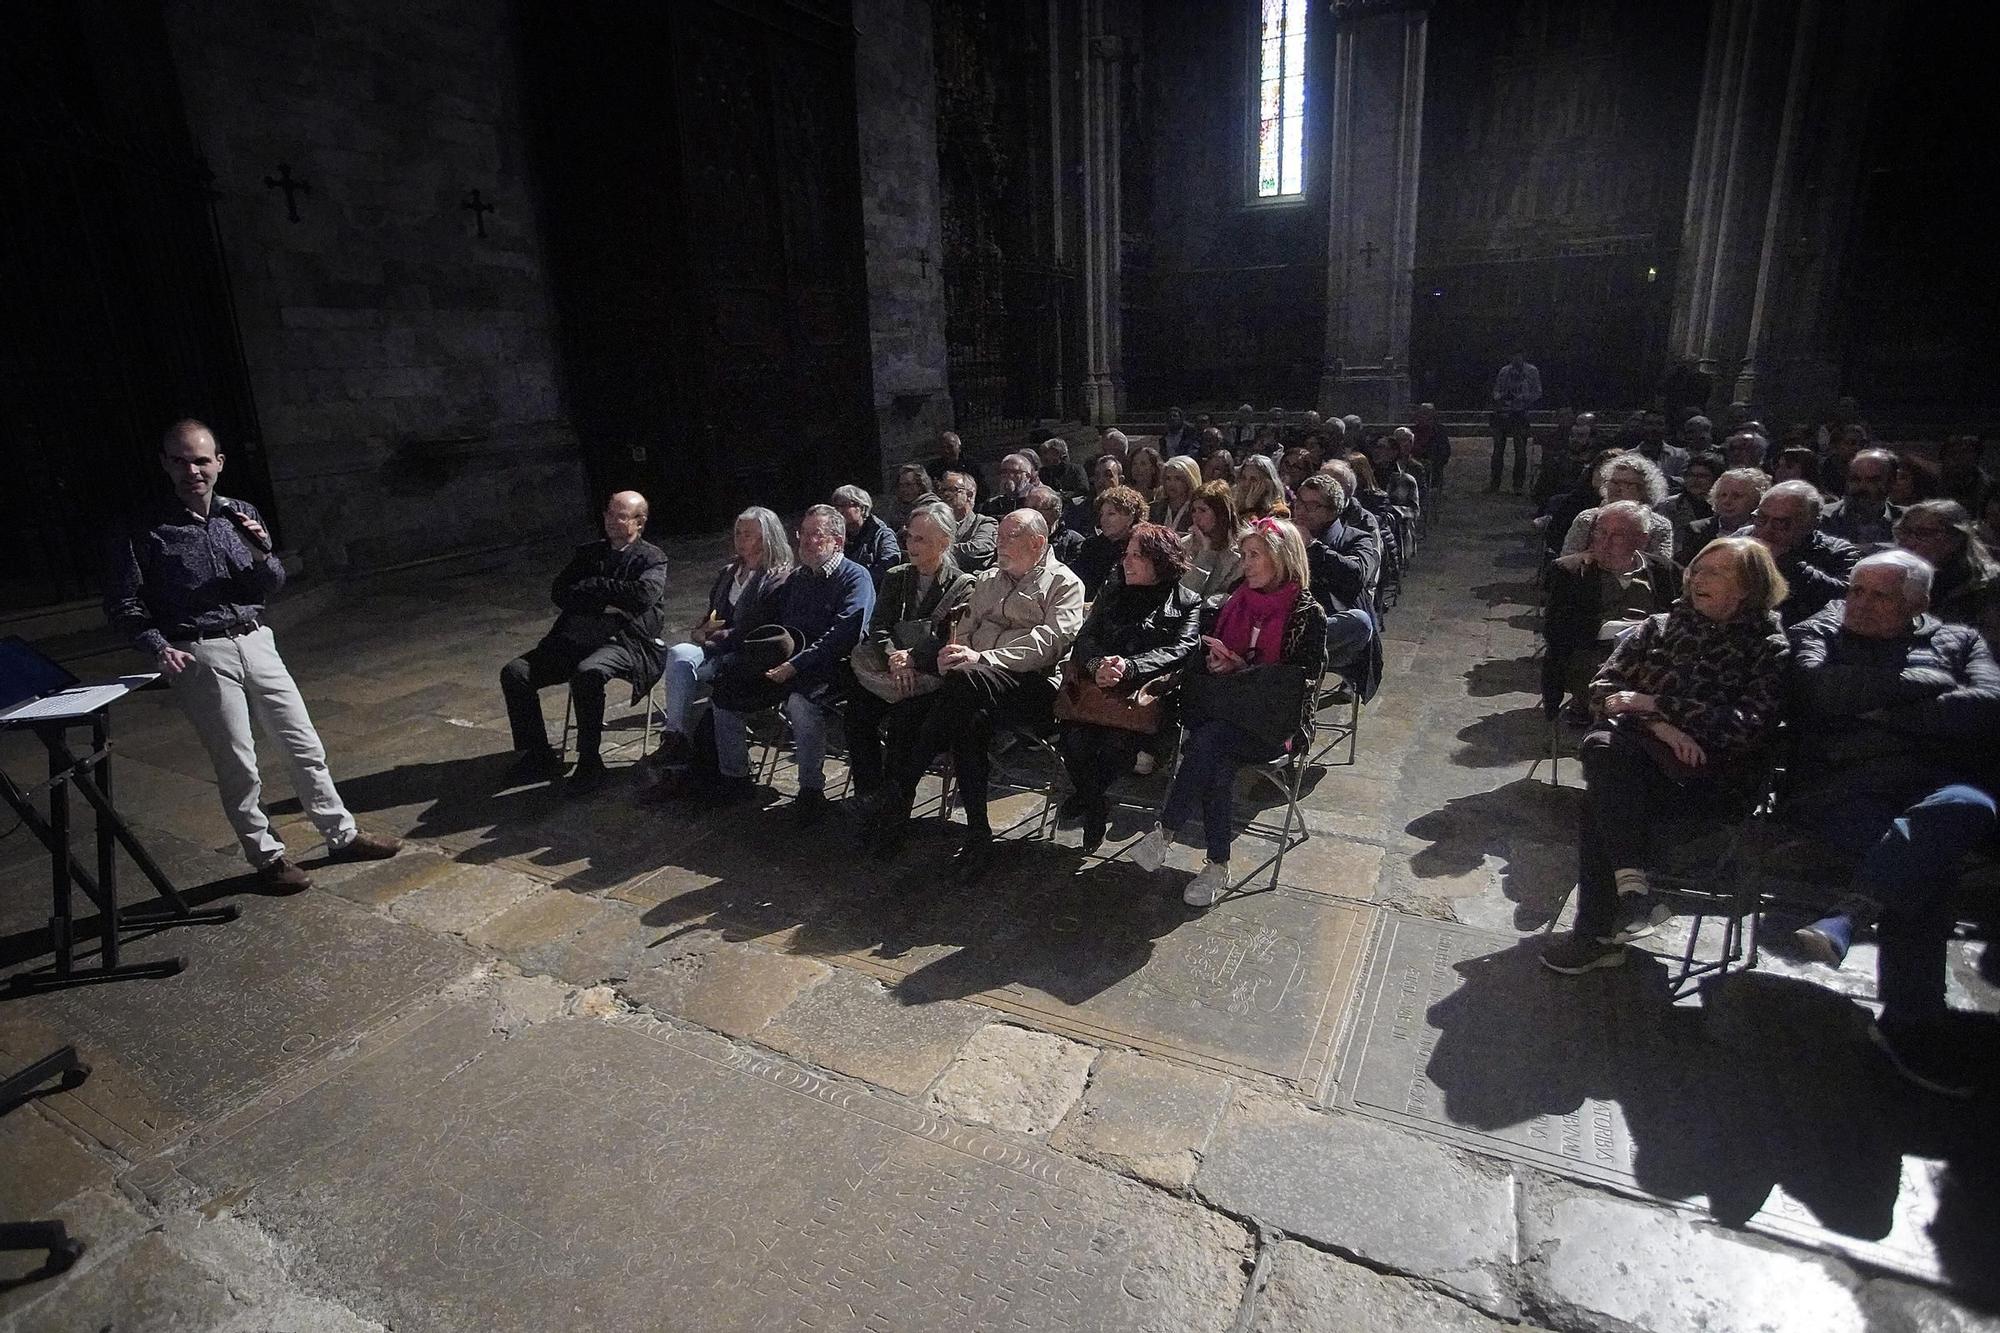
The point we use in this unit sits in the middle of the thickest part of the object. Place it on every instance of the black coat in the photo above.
(1161, 638)
(609, 596)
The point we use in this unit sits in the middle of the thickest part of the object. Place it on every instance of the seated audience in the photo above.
(1433, 442)
(1960, 476)
(913, 487)
(743, 596)
(1628, 476)
(1117, 510)
(1965, 588)
(1864, 515)
(1058, 473)
(1114, 443)
(1019, 473)
(1211, 440)
(1989, 518)
(1259, 493)
(1897, 718)
(1796, 464)
(1848, 441)
(1144, 626)
(1697, 435)
(1143, 474)
(1214, 560)
(1652, 446)
(1179, 480)
(1598, 593)
(1220, 465)
(999, 670)
(1815, 565)
(895, 664)
(1680, 706)
(950, 457)
(1361, 513)
(1270, 619)
(1065, 542)
(1732, 503)
(1691, 505)
(1243, 430)
(972, 548)
(1747, 448)
(609, 596)
(1562, 468)
(870, 542)
(1580, 494)
(1917, 479)
(1346, 565)
(793, 662)
(1297, 464)
(1179, 439)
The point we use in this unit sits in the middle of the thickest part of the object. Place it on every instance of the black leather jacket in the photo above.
(1154, 633)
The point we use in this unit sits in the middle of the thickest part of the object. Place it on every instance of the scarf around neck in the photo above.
(1252, 623)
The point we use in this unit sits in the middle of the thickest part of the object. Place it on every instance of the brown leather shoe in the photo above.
(281, 876)
(367, 847)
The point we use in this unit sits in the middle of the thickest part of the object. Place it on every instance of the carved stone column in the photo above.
(1378, 107)
(1101, 221)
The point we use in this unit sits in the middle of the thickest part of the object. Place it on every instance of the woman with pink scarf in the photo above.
(1270, 618)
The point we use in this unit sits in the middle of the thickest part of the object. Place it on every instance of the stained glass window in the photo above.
(1281, 98)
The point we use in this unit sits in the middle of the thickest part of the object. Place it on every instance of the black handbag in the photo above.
(1266, 701)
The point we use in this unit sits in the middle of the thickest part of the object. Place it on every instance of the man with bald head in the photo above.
(999, 670)
(609, 595)
(187, 587)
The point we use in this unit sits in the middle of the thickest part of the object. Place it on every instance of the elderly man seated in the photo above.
(871, 543)
(1815, 565)
(1345, 561)
(1065, 542)
(1019, 473)
(1897, 717)
(1057, 472)
(1000, 669)
(1598, 593)
(1864, 516)
(894, 668)
(972, 546)
(610, 596)
(794, 663)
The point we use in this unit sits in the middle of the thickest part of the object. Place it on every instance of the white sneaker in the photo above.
(1206, 887)
(1144, 764)
(1150, 852)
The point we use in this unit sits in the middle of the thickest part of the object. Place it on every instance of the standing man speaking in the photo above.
(187, 587)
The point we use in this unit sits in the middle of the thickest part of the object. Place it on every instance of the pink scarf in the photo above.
(1252, 623)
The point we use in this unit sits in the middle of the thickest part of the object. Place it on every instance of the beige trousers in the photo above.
(232, 681)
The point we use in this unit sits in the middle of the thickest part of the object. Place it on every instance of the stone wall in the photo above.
(896, 97)
(403, 366)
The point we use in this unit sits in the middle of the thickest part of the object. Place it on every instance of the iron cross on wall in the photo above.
(292, 188)
(479, 209)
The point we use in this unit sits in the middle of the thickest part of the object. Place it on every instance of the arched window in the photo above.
(1279, 112)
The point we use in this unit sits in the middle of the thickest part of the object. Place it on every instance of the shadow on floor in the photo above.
(1768, 1084)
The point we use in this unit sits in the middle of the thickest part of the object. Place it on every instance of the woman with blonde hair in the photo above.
(1211, 541)
(1270, 623)
(1686, 699)
(1173, 508)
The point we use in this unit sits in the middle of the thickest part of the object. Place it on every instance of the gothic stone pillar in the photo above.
(1101, 258)
(1378, 101)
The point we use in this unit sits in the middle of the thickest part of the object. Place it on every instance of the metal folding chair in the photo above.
(1335, 719)
(1008, 756)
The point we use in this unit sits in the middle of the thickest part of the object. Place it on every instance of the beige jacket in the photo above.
(1025, 624)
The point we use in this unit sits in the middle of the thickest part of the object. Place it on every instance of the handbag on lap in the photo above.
(1266, 701)
(1082, 699)
(870, 663)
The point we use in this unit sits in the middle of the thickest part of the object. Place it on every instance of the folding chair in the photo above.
(1010, 748)
(1286, 775)
(780, 739)
(656, 704)
(1328, 710)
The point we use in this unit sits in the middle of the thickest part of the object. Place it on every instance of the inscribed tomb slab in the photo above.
(1764, 1107)
(842, 1209)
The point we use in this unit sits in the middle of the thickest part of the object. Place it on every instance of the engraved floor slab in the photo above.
(287, 982)
(1765, 1108)
(627, 1176)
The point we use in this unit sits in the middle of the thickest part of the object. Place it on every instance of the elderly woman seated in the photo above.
(1144, 627)
(743, 594)
(1628, 476)
(1682, 705)
(1966, 587)
(1597, 594)
(894, 667)
(1270, 620)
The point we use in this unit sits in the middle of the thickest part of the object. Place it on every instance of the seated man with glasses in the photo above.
(972, 547)
(1815, 565)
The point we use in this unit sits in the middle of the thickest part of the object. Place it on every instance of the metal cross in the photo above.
(479, 208)
(1368, 254)
(923, 264)
(292, 188)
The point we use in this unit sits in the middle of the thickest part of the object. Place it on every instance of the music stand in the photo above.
(51, 720)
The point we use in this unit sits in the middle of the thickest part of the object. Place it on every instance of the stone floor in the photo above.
(577, 1063)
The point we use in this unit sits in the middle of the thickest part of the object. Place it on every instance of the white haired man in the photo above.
(1897, 717)
(871, 543)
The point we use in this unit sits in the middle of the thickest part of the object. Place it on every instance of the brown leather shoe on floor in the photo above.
(281, 876)
(367, 847)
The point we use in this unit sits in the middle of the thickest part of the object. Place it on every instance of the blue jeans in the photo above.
(1210, 756)
(1347, 637)
(808, 719)
(1908, 855)
(687, 667)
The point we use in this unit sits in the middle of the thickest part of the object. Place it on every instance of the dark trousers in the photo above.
(524, 678)
(1909, 851)
(875, 725)
(1509, 426)
(966, 709)
(1627, 797)
(1095, 757)
(1206, 781)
